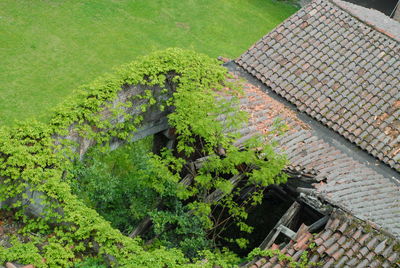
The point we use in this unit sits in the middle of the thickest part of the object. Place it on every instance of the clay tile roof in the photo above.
(341, 246)
(340, 64)
(341, 179)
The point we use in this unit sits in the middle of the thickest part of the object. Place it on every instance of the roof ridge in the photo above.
(342, 5)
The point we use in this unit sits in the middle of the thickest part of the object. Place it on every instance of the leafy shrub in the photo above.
(91, 263)
(176, 227)
(115, 184)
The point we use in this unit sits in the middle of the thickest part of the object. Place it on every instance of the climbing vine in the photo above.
(35, 160)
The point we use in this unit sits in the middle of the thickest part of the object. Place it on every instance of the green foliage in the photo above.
(303, 262)
(124, 188)
(22, 252)
(26, 158)
(37, 158)
(91, 263)
(176, 228)
(219, 258)
(117, 184)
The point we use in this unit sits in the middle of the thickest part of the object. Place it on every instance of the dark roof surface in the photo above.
(340, 179)
(344, 242)
(339, 70)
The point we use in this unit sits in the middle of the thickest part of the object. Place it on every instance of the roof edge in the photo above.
(351, 9)
(276, 27)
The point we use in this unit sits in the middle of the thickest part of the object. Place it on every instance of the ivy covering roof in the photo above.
(340, 64)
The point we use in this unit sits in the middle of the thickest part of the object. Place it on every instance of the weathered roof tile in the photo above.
(350, 67)
(341, 255)
(376, 197)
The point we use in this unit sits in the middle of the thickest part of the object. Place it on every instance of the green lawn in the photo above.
(49, 47)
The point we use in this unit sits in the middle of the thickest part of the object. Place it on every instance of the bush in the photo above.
(118, 185)
(115, 183)
(91, 263)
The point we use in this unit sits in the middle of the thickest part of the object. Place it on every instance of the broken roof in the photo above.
(344, 242)
(344, 182)
(341, 65)
(340, 179)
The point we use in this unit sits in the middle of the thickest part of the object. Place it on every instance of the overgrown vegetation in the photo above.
(36, 167)
(47, 48)
(114, 184)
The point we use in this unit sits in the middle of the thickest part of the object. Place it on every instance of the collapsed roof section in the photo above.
(363, 229)
(338, 178)
(344, 242)
(340, 69)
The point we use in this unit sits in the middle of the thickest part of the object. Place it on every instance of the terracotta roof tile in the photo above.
(342, 261)
(362, 240)
(371, 255)
(371, 244)
(337, 255)
(332, 249)
(379, 248)
(340, 69)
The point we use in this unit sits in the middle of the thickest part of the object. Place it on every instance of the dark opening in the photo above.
(264, 217)
(384, 6)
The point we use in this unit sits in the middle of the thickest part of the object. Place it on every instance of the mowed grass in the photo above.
(50, 47)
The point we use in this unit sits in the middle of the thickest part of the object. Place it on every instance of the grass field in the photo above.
(49, 47)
